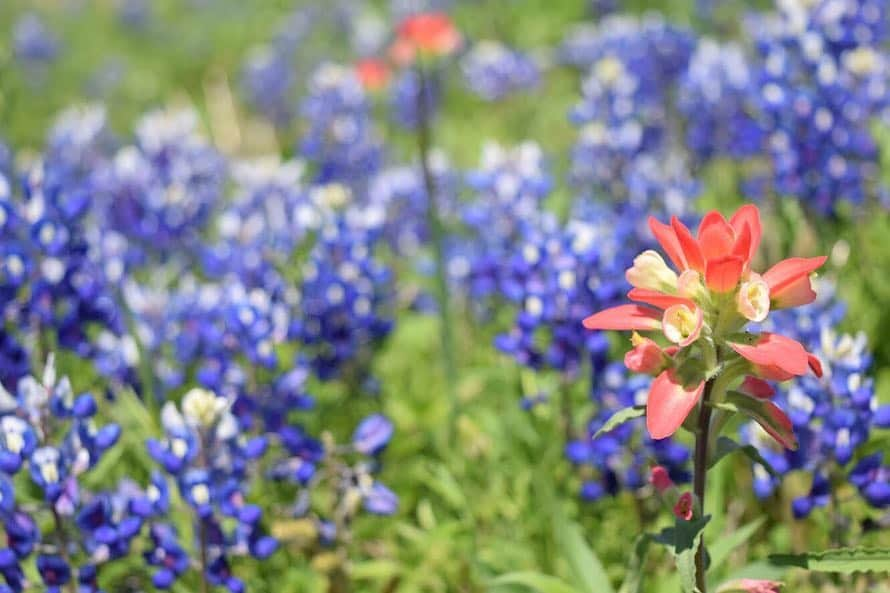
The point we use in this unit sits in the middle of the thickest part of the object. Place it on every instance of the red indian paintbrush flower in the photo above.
(702, 306)
(428, 33)
(373, 73)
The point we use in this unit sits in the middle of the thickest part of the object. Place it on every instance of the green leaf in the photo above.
(766, 414)
(589, 574)
(374, 569)
(721, 548)
(726, 446)
(619, 418)
(633, 579)
(841, 560)
(683, 540)
(534, 580)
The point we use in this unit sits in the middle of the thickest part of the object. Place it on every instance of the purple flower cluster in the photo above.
(832, 416)
(621, 459)
(821, 77)
(345, 298)
(347, 471)
(494, 71)
(204, 452)
(49, 433)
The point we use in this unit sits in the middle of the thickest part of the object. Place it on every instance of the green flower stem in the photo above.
(437, 235)
(702, 438)
(71, 587)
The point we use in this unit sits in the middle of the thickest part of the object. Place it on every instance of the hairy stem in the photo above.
(62, 541)
(567, 416)
(702, 438)
(437, 236)
(202, 536)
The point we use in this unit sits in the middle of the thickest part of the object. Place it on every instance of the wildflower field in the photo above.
(397, 296)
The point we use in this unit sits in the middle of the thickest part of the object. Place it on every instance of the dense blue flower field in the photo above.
(290, 304)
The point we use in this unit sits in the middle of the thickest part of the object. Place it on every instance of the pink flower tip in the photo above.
(750, 586)
(646, 356)
(683, 508)
(660, 479)
(373, 73)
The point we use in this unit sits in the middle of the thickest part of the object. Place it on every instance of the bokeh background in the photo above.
(251, 217)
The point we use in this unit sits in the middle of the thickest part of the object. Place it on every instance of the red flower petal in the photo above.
(757, 388)
(625, 317)
(723, 274)
(777, 352)
(750, 214)
(778, 425)
(789, 281)
(667, 238)
(815, 364)
(742, 247)
(658, 299)
(715, 237)
(669, 404)
(768, 415)
(689, 245)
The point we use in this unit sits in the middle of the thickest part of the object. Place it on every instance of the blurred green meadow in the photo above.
(498, 496)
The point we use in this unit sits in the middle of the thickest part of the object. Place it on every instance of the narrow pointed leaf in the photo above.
(768, 415)
(683, 540)
(589, 573)
(726, 446)
(619, 418)
(841, 560)
(633, 580)
(535, 581)
(725, 544)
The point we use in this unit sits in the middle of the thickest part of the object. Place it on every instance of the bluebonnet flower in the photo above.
(160, 192)
(267, 80)
(345, 298)
(832, 416)
(166, 553)
(621, 459)
(553, 276)
(33, 41)
(339, 140)
(510, 186)
(270, 216)
(6, 160)
(648, 45)
(403, 97)
(208, 458)
(51, 433)
(624, 108)
(268, 73)
(373, 434)
(50, 284)
(54, 571)
(134, 13)
(213, 328)
(872, 477)
(397, 203)
(822, 77)
(493, 71)
(717, 99)
(346, 472)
